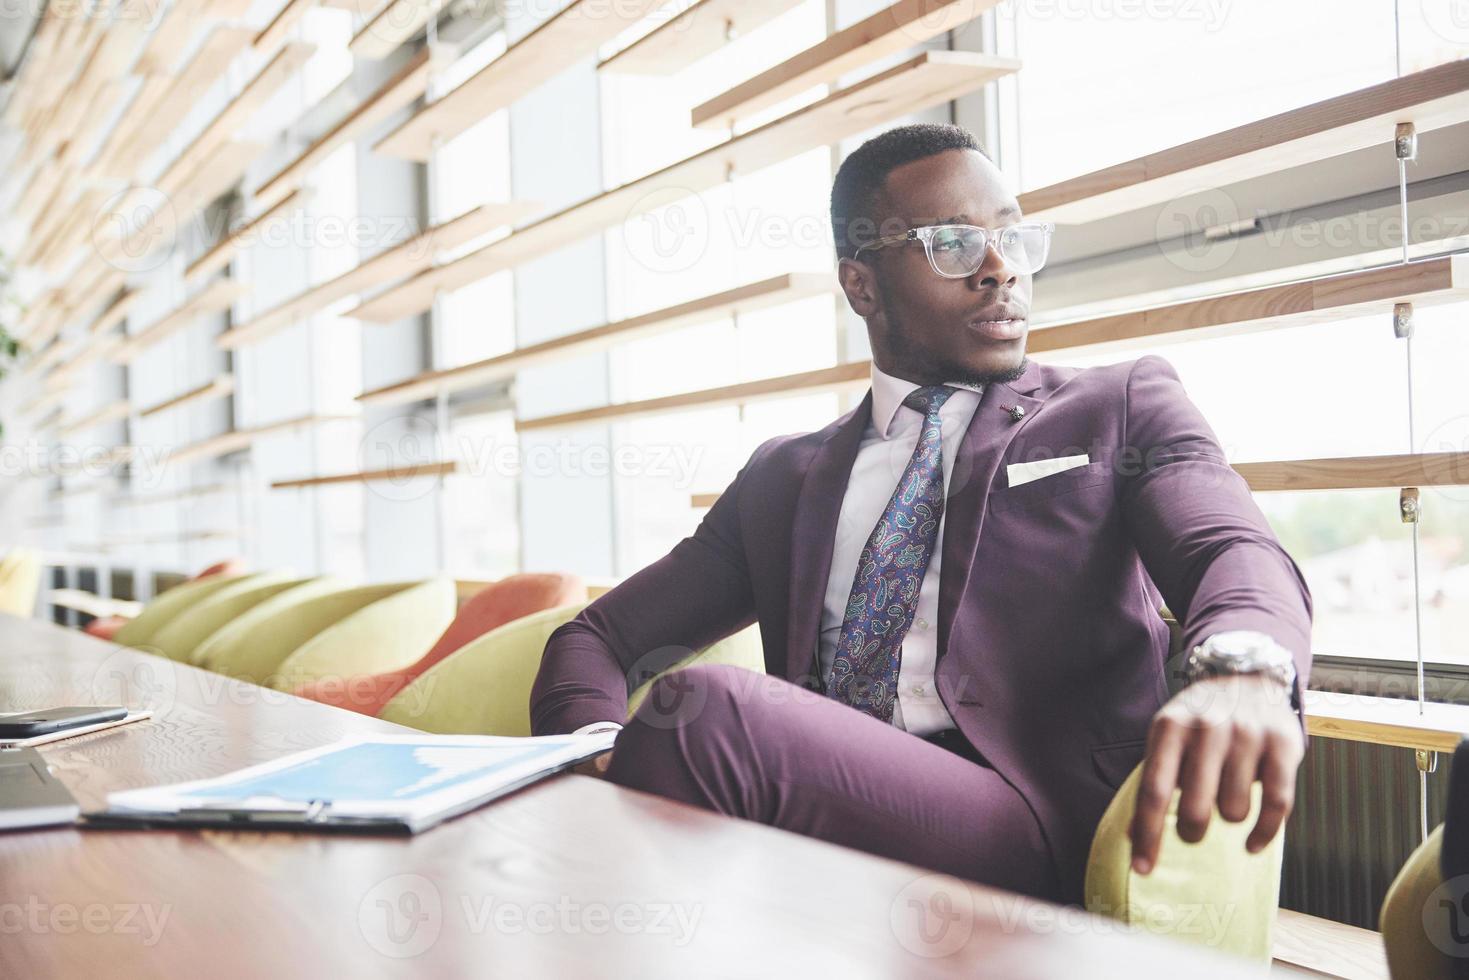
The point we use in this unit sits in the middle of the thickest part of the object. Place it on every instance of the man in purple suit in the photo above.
(958, 583)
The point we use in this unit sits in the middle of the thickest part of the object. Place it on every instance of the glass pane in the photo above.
(1105, 83)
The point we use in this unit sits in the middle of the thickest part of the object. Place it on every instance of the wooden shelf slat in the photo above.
(209, 391)
(785, 288)
(405, 85)
(1386, 721)
(237, 439)
(224, 250)
(385, 32)
(439, 469)
(888, 32)
(852, 375)
(693, 34)
(213, 298)
(929, 79)
(392, 263)
(1430, 99)
(103, 415)
(1358, 472)
(280, 69)
(1428, 282)
(556, 44)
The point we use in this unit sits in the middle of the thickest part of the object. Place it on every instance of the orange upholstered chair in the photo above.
(106, 627)
(495, 605)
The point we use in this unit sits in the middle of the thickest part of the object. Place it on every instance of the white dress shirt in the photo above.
(882, 456)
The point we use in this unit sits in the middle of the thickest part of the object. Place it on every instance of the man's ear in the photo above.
(860, 284)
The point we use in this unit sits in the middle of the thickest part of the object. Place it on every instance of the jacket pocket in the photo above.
(1047, 487)
(1113, 761)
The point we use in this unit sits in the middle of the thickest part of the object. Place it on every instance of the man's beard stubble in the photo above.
(949, 371)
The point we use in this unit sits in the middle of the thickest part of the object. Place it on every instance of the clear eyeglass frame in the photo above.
(1024, 246)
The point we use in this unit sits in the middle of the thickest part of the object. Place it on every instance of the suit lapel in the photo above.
(813, 537)
(990, 431)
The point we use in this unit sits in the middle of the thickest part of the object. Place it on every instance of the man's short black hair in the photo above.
(859, 179)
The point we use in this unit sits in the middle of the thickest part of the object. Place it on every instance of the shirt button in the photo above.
(919, 689)
(922, 623)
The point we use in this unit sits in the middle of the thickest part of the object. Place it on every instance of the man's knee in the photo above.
(697, 697)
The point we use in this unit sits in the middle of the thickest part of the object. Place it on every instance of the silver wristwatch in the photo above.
(1241, 652)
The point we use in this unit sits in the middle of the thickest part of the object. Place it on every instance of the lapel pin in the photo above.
(1016, 412)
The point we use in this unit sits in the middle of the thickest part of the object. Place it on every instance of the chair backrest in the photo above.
(254, 643)
(387, 633)
(1214, 873)
(178, 638)
(1425, 917)
(483, 688)
(504, 601)
(20, 581)
(163, 609)
(742, 649)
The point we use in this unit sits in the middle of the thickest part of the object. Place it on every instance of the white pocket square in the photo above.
(1019, 473)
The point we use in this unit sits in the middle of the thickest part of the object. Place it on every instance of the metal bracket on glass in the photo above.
(1402, 320)
(1410, 507)
(1427, 759)
(1405, 142)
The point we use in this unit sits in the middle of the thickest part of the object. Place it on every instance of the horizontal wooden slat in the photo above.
(929, 79)
(405, 85)
(1358, 472)
(216, 296)
(209, 391)
(224, 250)
(107, 413)
(395, 23)
(883, 34)
(853, 375)
(1430, 99)
(559, 42)
(1397, 722)
(190, 493)
(784, 288)
(408, 472)
(693, 34)
(1428, 282)
(233, 441)
(392, 263)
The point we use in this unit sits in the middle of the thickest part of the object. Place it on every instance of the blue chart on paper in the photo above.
(384, 771)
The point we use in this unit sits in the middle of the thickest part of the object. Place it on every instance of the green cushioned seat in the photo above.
(20, 581)
(167, 605)
(395, 628)
(178, 638)
(1419, 927)
(1213, 892)
(258, 644)
(484, 687)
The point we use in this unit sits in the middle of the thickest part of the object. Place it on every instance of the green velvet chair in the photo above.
(484, 687)
(1423, 919)
(179, 637)
(20, 581)
(1212, 892)
(322, 627)
(168, 605)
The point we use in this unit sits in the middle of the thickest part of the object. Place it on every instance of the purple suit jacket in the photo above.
(1051, 650)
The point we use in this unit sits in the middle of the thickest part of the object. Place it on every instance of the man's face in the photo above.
(922, 326)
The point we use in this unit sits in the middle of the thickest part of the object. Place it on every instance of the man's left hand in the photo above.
(1213, 740)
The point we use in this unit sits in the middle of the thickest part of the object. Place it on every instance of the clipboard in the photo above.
(531, 760)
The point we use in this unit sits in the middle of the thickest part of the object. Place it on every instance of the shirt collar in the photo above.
(888, 393)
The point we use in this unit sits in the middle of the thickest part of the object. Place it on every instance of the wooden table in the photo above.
(573, 877)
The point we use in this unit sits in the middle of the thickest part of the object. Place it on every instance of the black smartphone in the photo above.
(28, 724)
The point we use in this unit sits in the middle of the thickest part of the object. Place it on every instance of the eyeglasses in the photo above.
(957, 251)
